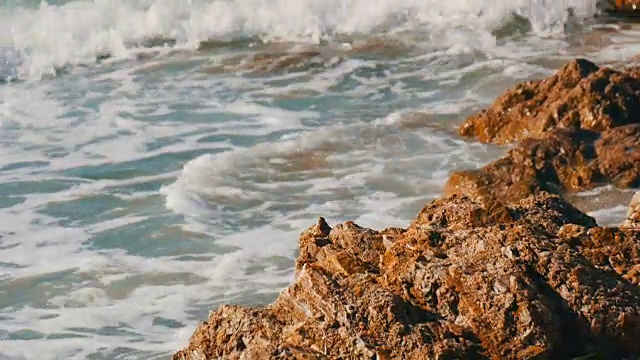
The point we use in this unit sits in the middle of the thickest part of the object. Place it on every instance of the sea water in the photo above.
(159, 157)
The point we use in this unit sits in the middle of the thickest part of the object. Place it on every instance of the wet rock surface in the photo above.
(534, 280)
(564, 160)
(577, 130)
(580, 95)
(618, 153)
(501, 268)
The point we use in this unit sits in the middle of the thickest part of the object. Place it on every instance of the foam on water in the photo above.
(140, 193)
(41, 41)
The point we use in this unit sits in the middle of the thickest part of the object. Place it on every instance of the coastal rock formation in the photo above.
(618, 152)
(563, 160)
(538, 279)
(577, 130)
(501, 268)
(580, 95)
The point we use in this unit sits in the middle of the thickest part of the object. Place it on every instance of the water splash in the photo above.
(551, 15)
(41, 40)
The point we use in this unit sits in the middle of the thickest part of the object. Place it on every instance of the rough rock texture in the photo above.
(577, 130)
(618, 152)
(580, 95)
(563, 160)
(502, 268)
(464, 281)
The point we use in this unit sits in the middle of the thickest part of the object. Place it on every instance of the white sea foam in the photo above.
(328, 164)
(611, 216)
(40, 41)
(99, 167)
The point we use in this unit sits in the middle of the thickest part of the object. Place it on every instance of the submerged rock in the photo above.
(538, 279)
(283, 57)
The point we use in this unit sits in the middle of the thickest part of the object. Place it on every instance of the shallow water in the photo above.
(159, 158)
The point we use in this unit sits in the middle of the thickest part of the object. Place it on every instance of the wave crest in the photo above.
(47, 38)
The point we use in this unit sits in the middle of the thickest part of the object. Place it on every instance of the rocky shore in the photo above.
(502, 267)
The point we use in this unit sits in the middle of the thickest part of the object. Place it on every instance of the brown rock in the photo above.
(580, 95)
(491, 272)
(633, 214)
(619, 155)
(565, 159)
(578, 129)
(237, 332)
(465, 280)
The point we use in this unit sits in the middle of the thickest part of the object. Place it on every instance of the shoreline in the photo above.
(500, 266)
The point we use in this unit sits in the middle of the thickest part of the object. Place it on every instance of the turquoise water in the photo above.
(159, 158)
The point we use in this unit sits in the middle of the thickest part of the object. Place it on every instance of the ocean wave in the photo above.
(41, 41)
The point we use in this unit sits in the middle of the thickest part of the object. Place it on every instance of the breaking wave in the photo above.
(44, 39)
